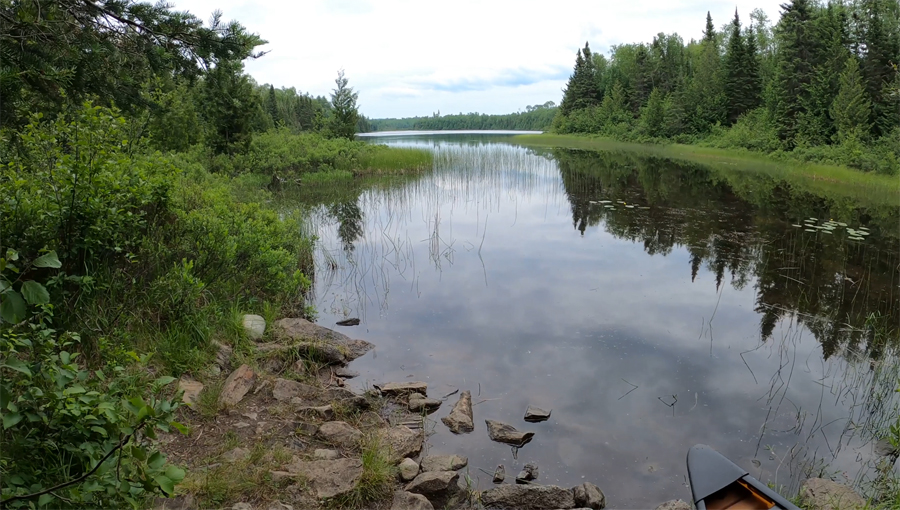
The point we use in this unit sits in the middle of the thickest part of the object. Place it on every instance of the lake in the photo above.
(651, 304)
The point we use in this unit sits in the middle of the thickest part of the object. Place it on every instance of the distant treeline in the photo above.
(534, 118)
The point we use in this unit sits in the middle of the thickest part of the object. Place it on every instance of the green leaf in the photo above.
(44, 499)
(175, 473)
(164, 380)
(156, 461)
(17, 365)
(48, 260)
(35, 293)
(10, 419)
(12, 307)
(179, 427)
(165, 483)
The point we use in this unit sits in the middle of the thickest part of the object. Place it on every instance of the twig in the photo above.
(454, 392)
(484, 400)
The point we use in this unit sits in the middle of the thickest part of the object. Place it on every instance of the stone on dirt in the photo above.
(223, 354)
(339, 433)
(323, 412)
(185, 502)
(323, 454)
(528, 497)
(821, 494)
(402, 441)
(589, 495)
(460, 418)
(444, 463)
(254, 326)
(301, 329)
(438, 486)
(345, 372)
(276, 505)
(536, 414)
(237, 385)
(403, 388)
(675, 504)
(408, 501)
(408, 469)
(235, 455)
(191, 389)
(328, 478)
(503, 433)
(528, 474)
(242, 506)
(418, 403)
(285, 389)
(499, 474)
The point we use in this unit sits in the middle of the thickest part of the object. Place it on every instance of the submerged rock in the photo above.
(237, 385)
(821, 494)
(528, 497)
(419, 403)
(460, 418)
(254, 326)
(589, 495)
(403, 388)
(503, 433)
(499, 474)
(536, 414)
(329, 478)
(528, 474)
(444, 463)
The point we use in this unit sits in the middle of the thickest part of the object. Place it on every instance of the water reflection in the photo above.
(698, 314)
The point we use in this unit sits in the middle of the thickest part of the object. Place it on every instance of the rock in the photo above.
(528, 474)
(821, 494)
(339, 433)
(223, 354)
(191, 389)
(279, 476)
(438, 486)
(536, 414)
(503, 433)
(241, 425)
(237, 385)
(444, 463)
(329, 478)
(322, 454)
(303, 330)
(285, 389)
(408, 469)
(348, 322)
(306, 429)
(528, 497)
(185, 502)
(323, 412)
(419, 403)
(276, 505)
(408, 501)
(345, 372)
(460, 418)
(499, 474)
(254, 326)
(236, 454)
(403, 388)
(589, 495)
(251, 416)
(402, 441)
(675, 504)
(242, 506)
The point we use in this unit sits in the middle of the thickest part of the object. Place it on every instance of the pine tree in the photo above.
(709, 33)
(881, 42)
(653, 116)
(704, 96)
(344, 111)
(851, 108)
(570, 93)
(642, 82)
(736, 80)
(581, 90)
(272, 106)
(752, 70)
(794, 72)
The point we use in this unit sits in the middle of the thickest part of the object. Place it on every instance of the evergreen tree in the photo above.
(709, 33)
(753, 77)
(272, 106)
(794, 72)
(737, 89)
(653, 116)
(581, 90)
(571, 91)
(851, 108)
(229, 105)
(642, 81)
(704, 96)
(344, 110)
(880, 43)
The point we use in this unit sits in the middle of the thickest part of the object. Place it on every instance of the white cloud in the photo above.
(412, 58)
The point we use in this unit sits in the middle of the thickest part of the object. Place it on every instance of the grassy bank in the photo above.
(823, 179)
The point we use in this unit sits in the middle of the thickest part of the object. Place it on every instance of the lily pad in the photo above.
(810, 230)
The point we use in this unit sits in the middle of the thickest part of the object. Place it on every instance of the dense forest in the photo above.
(534, 118)
(821, 84)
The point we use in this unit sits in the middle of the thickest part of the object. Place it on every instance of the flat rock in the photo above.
(438, 486)
(418, 403)
(345, 373)
(329, 478)
(408, 501)
(403, 388)
(821, 494)
(236, 455)
(503, 433)
(675, 504)
(254, 326)
(339, 433)
(460, 418)
(242, 506)
(323, 412)
(528, 497)
(277, 505)
(536, 414)
(191, 389)
(528, 474)
(444, 463)
(302, 329)
(499, 474)
(323, 454)
(223, 354)
(589, 495)
(402, 441)
(237, 385)
(310, 350)
(185, 502)
(408, 469)
(285, 389)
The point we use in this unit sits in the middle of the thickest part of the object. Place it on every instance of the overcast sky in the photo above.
(408, 58)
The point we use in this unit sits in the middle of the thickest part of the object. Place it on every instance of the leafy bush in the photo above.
(754, 131)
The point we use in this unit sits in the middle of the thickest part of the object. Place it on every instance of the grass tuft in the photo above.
(378, 477)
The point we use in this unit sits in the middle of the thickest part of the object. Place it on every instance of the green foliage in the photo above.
(376, 483)
(345, 114)
(741, 72)
(13, 305)
(851, 108)
(534, 118)
(581, 91)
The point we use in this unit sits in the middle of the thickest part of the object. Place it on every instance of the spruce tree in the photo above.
(344, 111)
(736, 80)
(272, 106)
(851, 108)
(753, 78)
(570, 93)
(881, 42)
(794, 71)
(709, 33)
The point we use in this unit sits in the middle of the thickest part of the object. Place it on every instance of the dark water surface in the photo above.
(650, 304)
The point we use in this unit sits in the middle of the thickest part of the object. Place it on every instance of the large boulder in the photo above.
(503, 433)
(821, 494)
(402, 442)
(403, 388)
(339, 433)
(438, 486)
(299, 330)
(278, 355)
(237, 385)
(588, 495)
(444, 463)
(460, 418)
(328, 478)
(254, 326)
(528, 497)
(408, 501)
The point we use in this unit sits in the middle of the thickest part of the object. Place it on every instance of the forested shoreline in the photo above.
(821, 84)
(534, 118)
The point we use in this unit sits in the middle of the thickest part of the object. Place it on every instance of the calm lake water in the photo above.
(652, 305)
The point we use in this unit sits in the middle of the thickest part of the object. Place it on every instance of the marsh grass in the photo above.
(379, 160)
(378, 477)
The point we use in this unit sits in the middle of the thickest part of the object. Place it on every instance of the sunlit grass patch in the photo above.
(380, 159)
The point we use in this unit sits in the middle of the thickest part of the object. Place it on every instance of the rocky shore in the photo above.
(273, 426)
